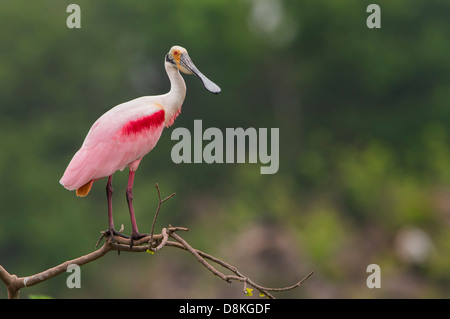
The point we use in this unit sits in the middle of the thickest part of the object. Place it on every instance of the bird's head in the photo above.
(178, 57)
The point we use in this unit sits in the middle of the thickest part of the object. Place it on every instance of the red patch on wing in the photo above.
(144, 123)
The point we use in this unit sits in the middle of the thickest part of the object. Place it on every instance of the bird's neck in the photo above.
(174, 99)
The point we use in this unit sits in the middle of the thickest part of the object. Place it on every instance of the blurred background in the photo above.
(364, 115)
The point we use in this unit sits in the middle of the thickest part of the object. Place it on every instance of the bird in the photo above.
(122, 136)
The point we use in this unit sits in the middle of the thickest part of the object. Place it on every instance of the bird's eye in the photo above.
(176, 53)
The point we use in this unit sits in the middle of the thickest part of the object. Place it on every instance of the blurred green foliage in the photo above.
(364, 144)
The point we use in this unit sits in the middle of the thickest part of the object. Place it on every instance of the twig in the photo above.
(160, 202)
(163, 241)
(200, 255)
(199, 258)
(14, 284)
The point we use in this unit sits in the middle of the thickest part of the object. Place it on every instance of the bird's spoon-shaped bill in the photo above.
(186, 61)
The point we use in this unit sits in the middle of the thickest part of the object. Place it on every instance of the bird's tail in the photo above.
(85, 189)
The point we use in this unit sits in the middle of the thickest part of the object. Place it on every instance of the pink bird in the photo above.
(126, 133)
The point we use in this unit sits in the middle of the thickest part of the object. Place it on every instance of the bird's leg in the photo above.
(135, 235)
(109, 191)
(111, 231)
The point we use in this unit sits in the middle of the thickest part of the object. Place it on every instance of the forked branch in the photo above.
(150, 244)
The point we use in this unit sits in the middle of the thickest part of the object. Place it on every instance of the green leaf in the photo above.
(248, 292)
(40, 297)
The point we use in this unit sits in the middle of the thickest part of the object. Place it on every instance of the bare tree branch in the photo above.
(161, 201)
(152, 244)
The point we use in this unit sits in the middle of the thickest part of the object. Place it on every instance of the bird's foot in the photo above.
(136, 236)
(111, 232)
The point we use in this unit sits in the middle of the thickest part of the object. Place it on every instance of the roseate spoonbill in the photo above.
(123, 135)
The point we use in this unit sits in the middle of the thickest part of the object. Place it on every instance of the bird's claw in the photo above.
(110, 231)
(136, 236)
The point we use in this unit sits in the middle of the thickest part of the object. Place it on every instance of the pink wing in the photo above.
(119, 137)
